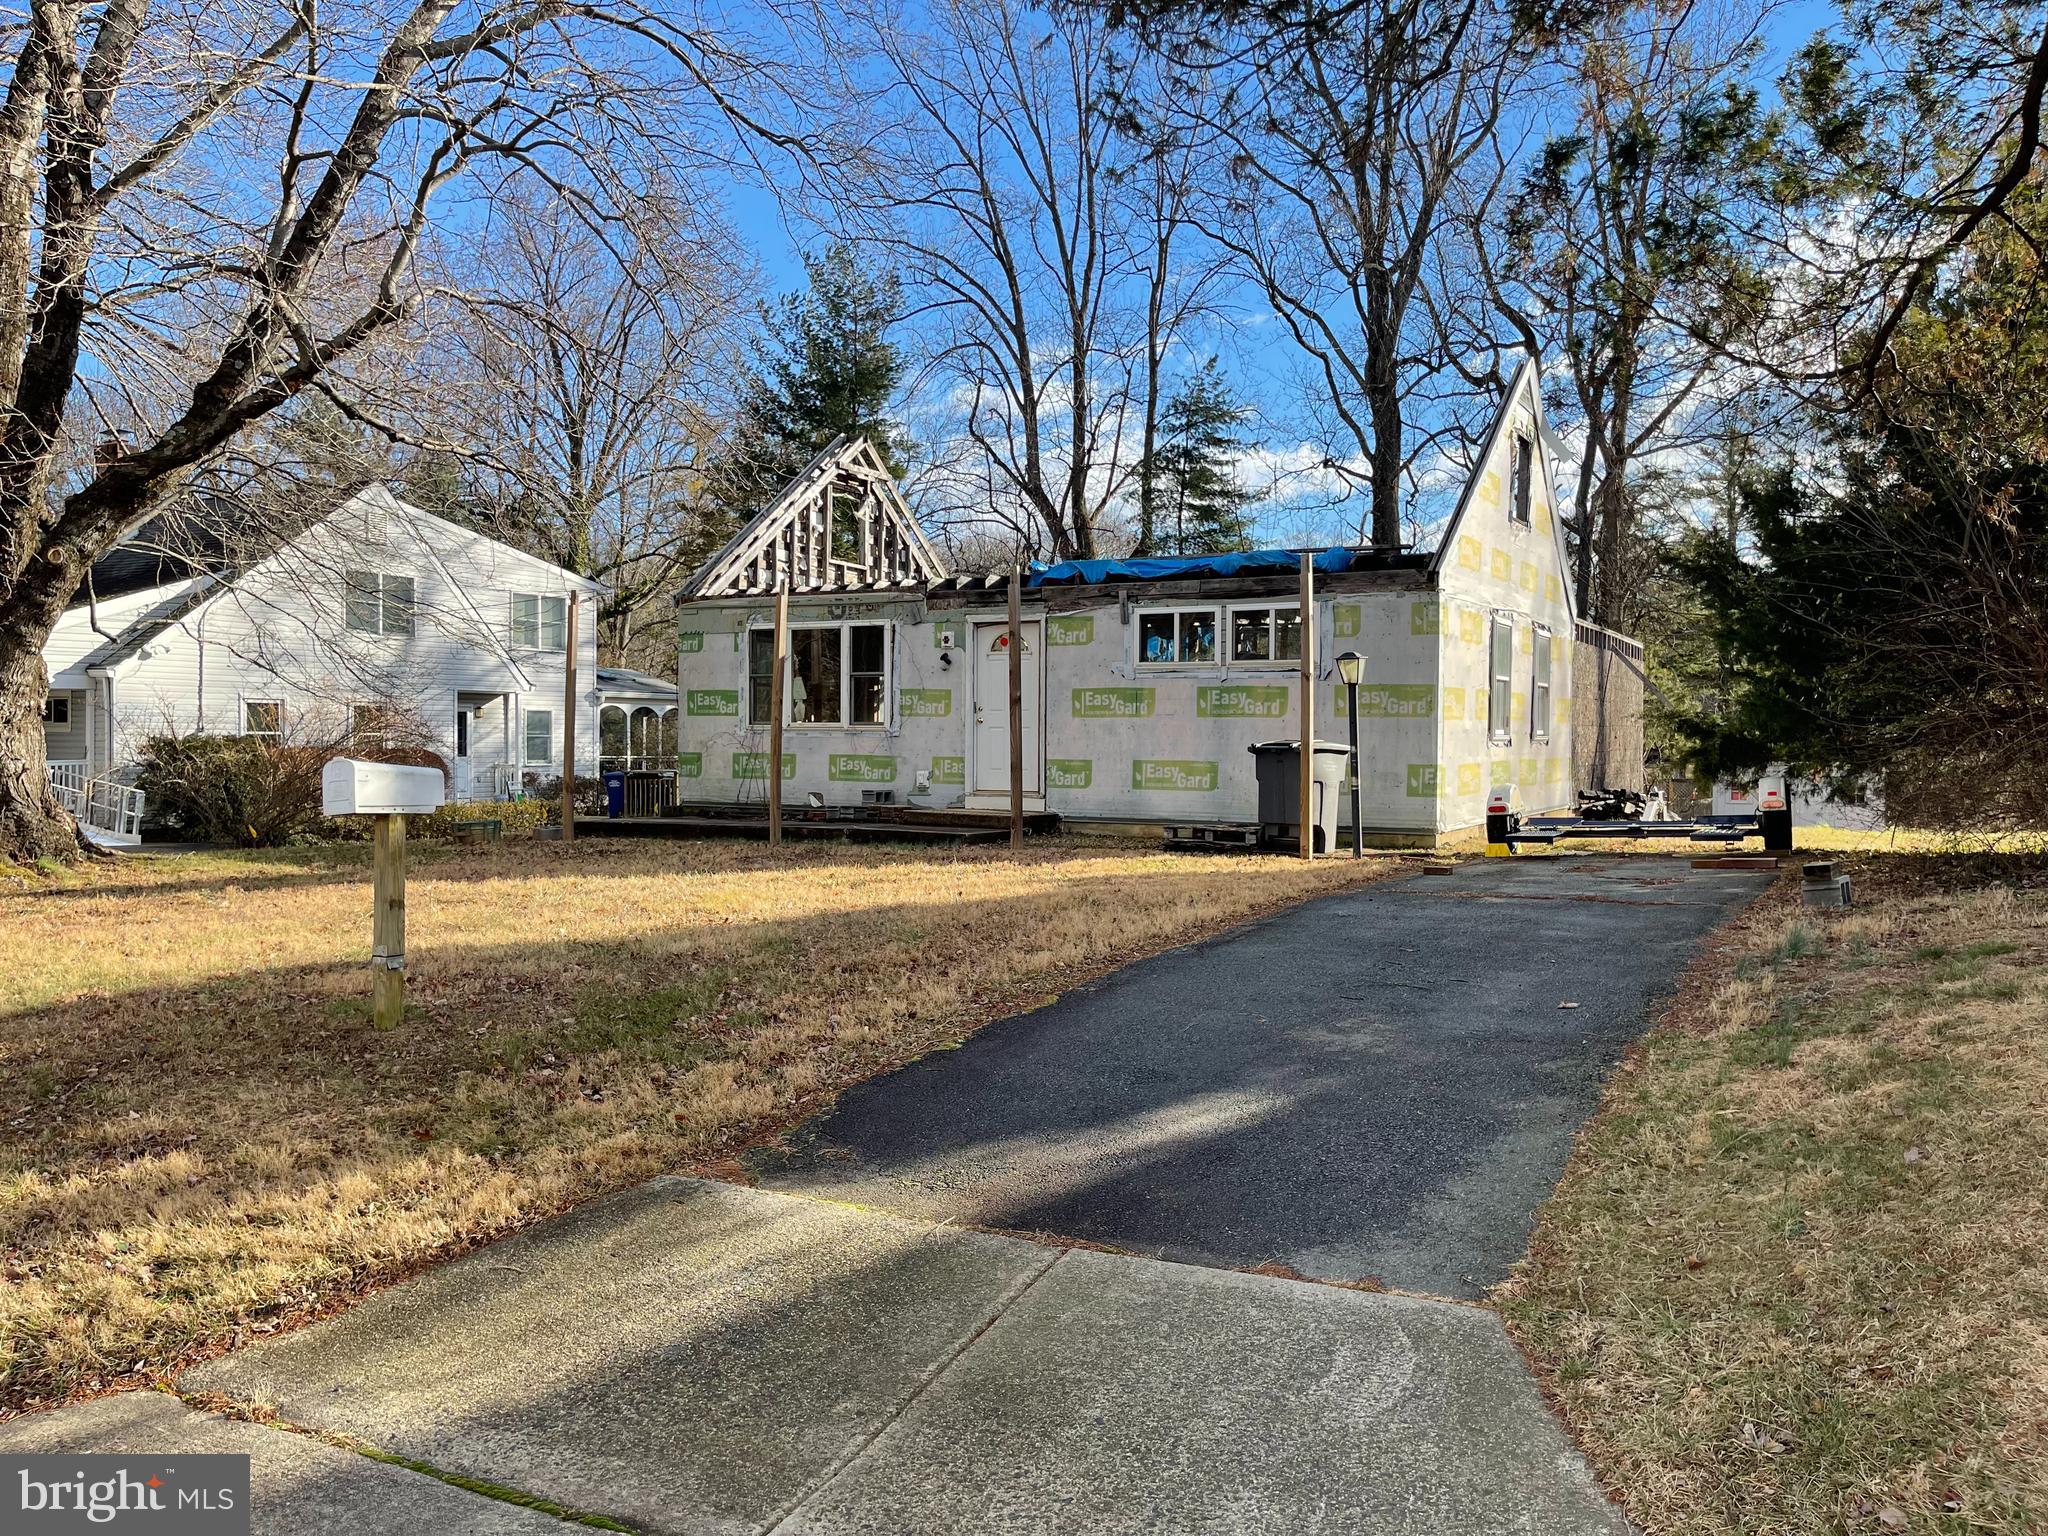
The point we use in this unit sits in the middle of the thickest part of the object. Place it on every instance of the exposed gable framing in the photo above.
(789, 546)
(1523, 389)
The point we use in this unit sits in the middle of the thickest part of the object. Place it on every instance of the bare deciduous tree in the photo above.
(207, 209)
(1344, 131)
(581, 382)
(1000, 203)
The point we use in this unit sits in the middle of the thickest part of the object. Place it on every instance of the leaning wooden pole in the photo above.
(1016, 708)
(776, 687)
(1308, 706)
(387, 922)
(569, 722)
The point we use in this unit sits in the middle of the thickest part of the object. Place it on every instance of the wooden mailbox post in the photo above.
(388, 792)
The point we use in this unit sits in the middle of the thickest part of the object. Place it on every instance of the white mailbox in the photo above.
(352, 788)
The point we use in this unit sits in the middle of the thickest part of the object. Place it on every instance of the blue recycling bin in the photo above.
(615, 794)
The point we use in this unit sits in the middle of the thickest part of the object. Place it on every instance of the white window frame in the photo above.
(275, 737)
(531, 634)
(1500, 689)
(57, 709)
(1218, 617)
(844, 626)
(355, 584)
(1540, 684)
(1522, 480)
(1227, 640)
(526, 757)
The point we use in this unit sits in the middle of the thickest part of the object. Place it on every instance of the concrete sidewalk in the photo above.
(707, 1360)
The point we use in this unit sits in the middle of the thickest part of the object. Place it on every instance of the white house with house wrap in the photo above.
(377, 621)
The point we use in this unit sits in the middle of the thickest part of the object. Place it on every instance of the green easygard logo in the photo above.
(754, 765)
(1389, 701)
(690, 641)
(1240, 701)
(1422, 779)
(925, 703)
(1069, 772)
(690, 765)
(1172, 773)
(949, 770)
(1070, 629)
(1422, 618)
(1113, 703)
(712, 701)
(860, 768)
(1346, 620)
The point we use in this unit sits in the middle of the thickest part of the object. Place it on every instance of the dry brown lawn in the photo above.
(1795, 1279)
(204, 1138)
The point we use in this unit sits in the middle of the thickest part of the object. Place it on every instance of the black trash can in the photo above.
(1279, 773)
(614, 794)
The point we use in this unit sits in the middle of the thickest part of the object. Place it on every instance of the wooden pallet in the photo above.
(1212, 836)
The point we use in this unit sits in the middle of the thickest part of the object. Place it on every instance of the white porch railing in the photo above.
(108, 812)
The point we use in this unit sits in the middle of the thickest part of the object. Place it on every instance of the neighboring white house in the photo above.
(379, 619)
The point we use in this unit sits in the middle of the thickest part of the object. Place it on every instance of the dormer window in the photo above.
(1523, 478)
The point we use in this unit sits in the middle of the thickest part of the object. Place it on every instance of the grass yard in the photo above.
(1795, 1279)
(204, 1138)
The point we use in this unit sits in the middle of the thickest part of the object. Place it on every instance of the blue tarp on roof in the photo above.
(1251, 562)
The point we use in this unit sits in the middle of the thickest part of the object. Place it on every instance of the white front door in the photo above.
(990, 748)
(465, 726)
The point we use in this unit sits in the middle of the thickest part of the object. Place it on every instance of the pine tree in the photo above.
(824, 366)
(1200, 506)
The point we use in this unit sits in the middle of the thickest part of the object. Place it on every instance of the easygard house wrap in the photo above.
(1145, 682)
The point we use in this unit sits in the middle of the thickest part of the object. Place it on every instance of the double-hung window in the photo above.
(1500, 698)
(540, 622)
(1539, 686)
(1521, 485)
(1176, 637)
(56, 709)
(377, 603)
(1265, 634)
(838, 674)
(540, 736)
(263, 719)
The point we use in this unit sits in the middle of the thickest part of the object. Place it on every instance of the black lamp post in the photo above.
(1351, 667)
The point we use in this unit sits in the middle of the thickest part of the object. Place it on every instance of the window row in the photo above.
(1184, 637)
(838, 674)
(1500, 702)
(380, 603)
(374, 725)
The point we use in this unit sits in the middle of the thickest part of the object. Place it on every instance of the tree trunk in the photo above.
(33, 825)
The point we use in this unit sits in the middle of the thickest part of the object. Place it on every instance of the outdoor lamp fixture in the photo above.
(1350, 668)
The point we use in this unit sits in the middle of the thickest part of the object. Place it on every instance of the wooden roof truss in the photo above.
(838, 526)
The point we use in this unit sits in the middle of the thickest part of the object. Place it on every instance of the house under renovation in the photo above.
(1146, 682)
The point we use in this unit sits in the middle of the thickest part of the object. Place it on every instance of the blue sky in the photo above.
(1257, 358)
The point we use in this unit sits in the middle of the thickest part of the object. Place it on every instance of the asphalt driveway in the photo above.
(1380, 1084)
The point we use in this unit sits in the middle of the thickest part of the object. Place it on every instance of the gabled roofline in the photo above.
(857, 456)
(1549, 450)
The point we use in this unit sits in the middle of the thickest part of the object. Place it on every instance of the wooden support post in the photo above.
(1016, 708)
(1308, 706)
(777, 687)
(387, 934)
(569, 723)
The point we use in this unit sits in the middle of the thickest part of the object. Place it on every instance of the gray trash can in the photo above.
(1279, 771)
